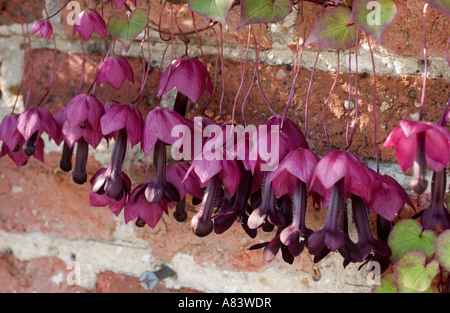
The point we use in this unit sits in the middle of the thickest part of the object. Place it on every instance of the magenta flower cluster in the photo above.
(230, 189)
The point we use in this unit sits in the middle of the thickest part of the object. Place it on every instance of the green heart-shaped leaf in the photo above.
(440, 5)
(443, 249)
(409, 235)
(264, 11)
(386, 285)
(374, 16)
(216, 10)
(334, 29)
(126, 28)
(411, 273)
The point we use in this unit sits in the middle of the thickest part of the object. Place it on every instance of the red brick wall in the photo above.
(40, 199)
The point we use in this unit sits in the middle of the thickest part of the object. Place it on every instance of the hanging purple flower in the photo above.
(272, 247)
(420, 144)
(44, 27)
(81, 124)
(32, 123)
(143, 211)
(189, 76)
(115, 70)
(387, 197)
(235, 209)
(190, 184)
(337, 176)
(369, 247)
(292, 177)
(171, 120)
(98, 197)
(126, 122)
(13, 141)
(437, 212)
(87, 22)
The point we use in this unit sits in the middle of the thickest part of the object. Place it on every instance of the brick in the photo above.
(404, 36)
(42, 275)
(9, 12)
(41, 198)
(112, 282)
(227, 251)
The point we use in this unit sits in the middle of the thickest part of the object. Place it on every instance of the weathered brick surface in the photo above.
(39, 198)
(45, 275)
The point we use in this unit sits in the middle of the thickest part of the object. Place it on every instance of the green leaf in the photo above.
(374, 17)
(409, 235)
(216, 10)
(125, 29)
(440, 5)
(443, 249)
(334, 29)
(264, 11)
(411, 273)
(387, 285)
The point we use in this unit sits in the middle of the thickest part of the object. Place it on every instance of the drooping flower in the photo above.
(87, 22)
(123, 116)
(44, 27)
(114, 70)
(125, 121)
(338, 176)
(235, 209)
(176, 174)
(369, 247)
(98, 197)
(189, 76)
(143, 211)
(173, 124)
(272, 247)
(32, 123)
(13, 141)
(419, 144)
(387, 196)
(437, 212)
(266, 211)
(81, 124)
(299, 164)
(213, 166)
(337, 165)
(334, 235)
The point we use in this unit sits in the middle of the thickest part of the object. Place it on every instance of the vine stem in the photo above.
(62, 8)
(242, 74)
(257, 74)
(328, 100)
(425, 74)
(145, 70)
(53, 66)
(24, 56)
(349, 95)
(309, 92)
(291, 93)
(83, 67)
(356, 91)
(374, 117)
